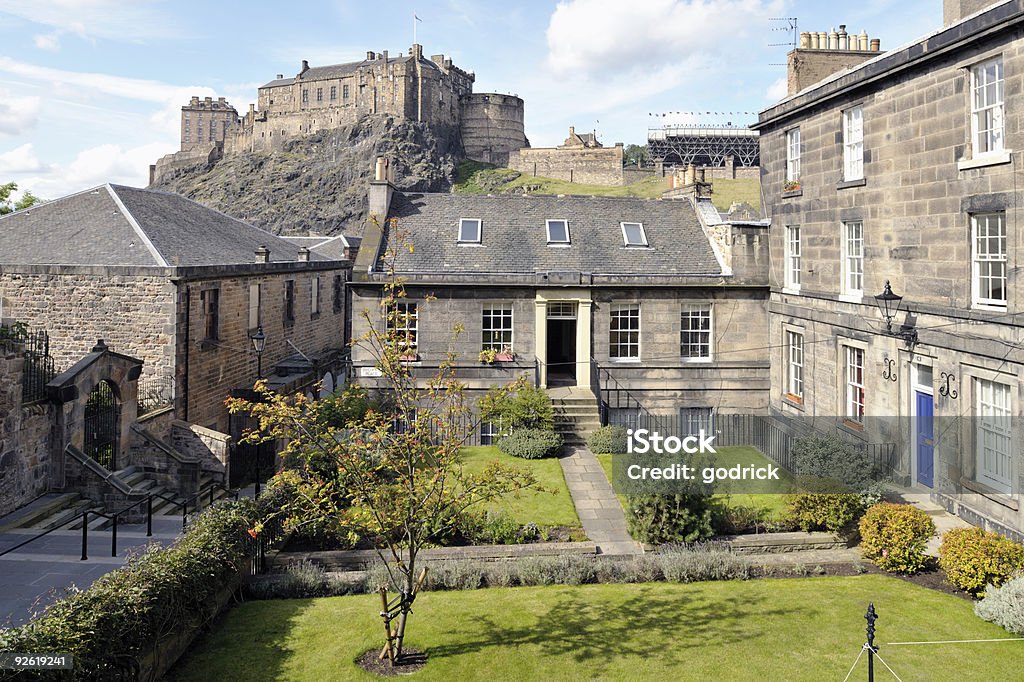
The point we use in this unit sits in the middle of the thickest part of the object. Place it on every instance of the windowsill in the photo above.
(852, 298)
(638, 247)
(1004, 499)
(697, 361)
(793, 401)
(559, 245)
(852, 183)
(792, 193)
(989, 308)
(851, 427)
(982, 160)
(791, 290)
(625, 361)
(476, 244)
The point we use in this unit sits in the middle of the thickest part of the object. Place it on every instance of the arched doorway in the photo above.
(101, 433)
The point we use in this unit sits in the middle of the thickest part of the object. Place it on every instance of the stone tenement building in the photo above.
(639, 299)
(316, 98)
(901, 172)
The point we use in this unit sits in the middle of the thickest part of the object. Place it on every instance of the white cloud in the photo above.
(17, 113)
(777, 90)
(94, 166)
(47, 41)
(598, 38)
(20, 160)
(116, 20)
(84, 86)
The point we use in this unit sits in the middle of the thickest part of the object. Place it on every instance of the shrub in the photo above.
(500, 529)
(834, 512)
(158, 594)
(1004, 606)
(740, 518)
(608, 440)
(894, 536)
(530, 443)
(671, 518)
(973, 558)
(703, 561)
(526, 408)
(829, 458)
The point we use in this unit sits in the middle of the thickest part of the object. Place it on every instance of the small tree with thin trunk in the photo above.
(393, 476)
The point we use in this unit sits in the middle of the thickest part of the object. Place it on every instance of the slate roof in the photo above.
(514, 235)
(126, 226)
(315, 73)
(328, 247)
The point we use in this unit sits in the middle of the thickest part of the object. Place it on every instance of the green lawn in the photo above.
(791, 629)
(541, 508)
(747, 495)
(476, 178)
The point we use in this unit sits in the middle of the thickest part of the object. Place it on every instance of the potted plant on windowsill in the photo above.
(505, 354)
(488, 356)
(791, 186)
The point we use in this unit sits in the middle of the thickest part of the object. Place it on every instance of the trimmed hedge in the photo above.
(531, 443)
(834, 512)
(608, 440)
(157, 595)
(894, 536)
(973, 558)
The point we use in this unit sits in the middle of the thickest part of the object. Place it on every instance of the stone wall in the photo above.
(76, 306)
(24, 440)
(596, 166)
(218, 366)
(196, 155)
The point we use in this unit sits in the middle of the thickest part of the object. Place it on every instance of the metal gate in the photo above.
(101, 425)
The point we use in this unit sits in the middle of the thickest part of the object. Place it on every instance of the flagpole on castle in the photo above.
(414, 20)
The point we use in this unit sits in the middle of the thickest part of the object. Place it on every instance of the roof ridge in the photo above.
(160, 260)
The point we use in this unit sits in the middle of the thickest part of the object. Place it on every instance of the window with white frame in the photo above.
(794, 365)
(558, 231)
(854, 378)
(469, 230)
(624, 332)
(988, 259)
(695, 332)
(490, 432)
(987, 106)
(992, 438)
(402, 325)
(793, 155)
(633, 234)
(853, 143)
(792, 256)
(497, 328)
(853, 258)
(314, 296)
(693, 420)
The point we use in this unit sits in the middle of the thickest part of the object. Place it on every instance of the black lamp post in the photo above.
(889, 305)
(259, 343)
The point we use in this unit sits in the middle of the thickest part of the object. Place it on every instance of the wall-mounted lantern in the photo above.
(889, 305)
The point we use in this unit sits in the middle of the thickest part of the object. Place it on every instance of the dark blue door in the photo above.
(925, 439)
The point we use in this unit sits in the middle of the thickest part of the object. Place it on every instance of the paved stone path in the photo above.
(598, 508)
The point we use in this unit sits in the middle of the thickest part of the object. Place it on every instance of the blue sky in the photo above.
(91, 90)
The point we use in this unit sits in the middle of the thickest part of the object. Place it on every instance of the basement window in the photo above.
(469, 230)
(633, 234)
(558, 231)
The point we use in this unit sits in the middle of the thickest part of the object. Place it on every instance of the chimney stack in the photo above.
(303, 254)
(822, 54)
(955, 10)
(262, 255)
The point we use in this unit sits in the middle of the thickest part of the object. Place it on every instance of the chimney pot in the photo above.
(305, 67)
(876, 44)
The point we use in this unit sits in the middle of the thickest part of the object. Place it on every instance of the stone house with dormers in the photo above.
(903, 170)
(180, 287)
(610, 295)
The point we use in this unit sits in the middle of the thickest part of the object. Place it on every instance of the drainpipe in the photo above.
(188, 344)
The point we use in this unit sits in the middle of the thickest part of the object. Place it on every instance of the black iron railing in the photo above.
(154, 392)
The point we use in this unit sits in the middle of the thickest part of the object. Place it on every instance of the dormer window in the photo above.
(469, 231)
(558, 231)
(633, 234)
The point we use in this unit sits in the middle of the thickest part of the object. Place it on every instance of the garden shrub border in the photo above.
(139, 618)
